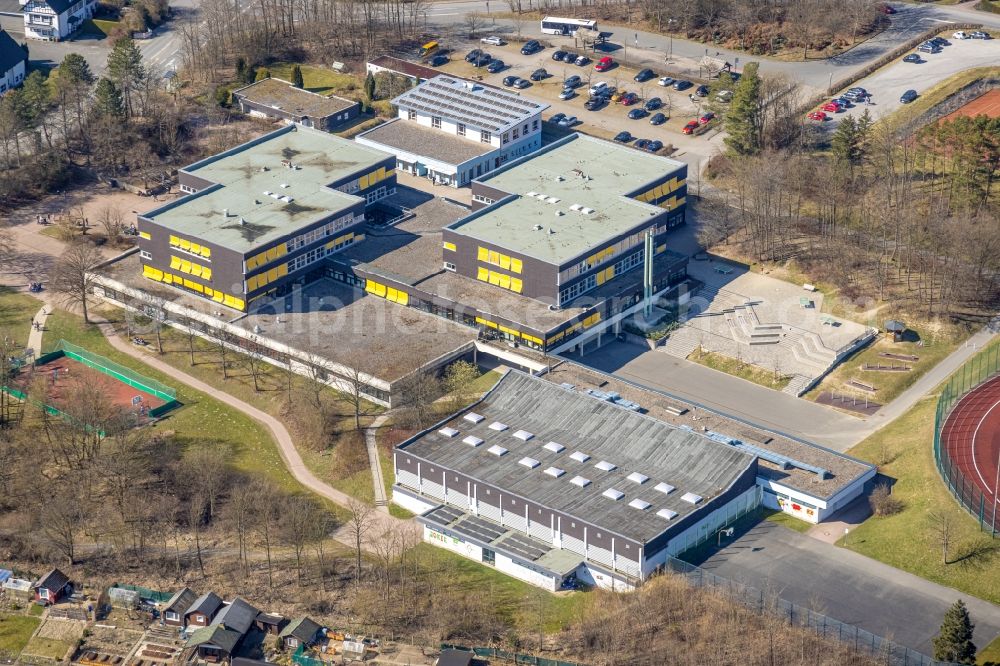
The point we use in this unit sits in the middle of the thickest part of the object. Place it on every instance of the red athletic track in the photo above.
(971, 437)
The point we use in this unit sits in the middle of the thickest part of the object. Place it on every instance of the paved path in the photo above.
(378, 482)
(35, 336)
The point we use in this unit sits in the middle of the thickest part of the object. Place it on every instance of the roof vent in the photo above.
(242, 222)
(559, 213)
(551, 231)
(287, 199)
(225, 212)
(472, 417)
(538, 227)
(588, 211)
(268, 193)
(448, 432)
(580, 481)
(666, 514)
(257, 329)
(576, 207)
(637, 503)
(531, 194)
(612, 493)
(473, 441)
(559, 179)
(284, 186)
(555, 471)
(664, 488)
(553, 200)
(691, 498)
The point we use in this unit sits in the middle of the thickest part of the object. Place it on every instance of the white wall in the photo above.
(12, 78)
(514, 569)
(452, 543)
(410, 503)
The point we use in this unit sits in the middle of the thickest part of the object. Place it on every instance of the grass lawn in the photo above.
(788, 521)
(98, 28)
(990, 653)
(35, 610)
(511, 597)
(15, 631)
(731, 366)
(316, 79)
(50, 648)
(905, 540)
(201, 421)
(16, 311)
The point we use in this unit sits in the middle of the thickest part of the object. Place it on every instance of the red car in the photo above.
(706, 119)
(691, 127)
(628, 99)
(604, 64)
(832, 107)
(817, 115)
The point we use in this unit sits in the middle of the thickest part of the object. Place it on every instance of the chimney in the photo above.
(225, 212)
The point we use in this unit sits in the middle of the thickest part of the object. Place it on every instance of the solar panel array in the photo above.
(484, 107)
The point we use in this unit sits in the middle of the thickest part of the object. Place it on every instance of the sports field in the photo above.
(971, 437)
(987, 104)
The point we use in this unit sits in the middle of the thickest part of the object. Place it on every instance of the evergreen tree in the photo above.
(241, 69)
(297, 80)
(954, 643)
(844, 139)
(126, 71)
(743, 119)
(370, 86)
(108, 99)
(34, 100)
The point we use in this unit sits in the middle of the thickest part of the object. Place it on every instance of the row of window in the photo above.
(622, 246)
(511, 333)
(500, 279)
(460, 130)
(600, 277)
(575, 328)
(255, 282)
(516, 133)
(481, 199)
(488, 256)
(190, 247)
(366, 181)
(327, 229)
(388, 293)
(654, 195)
(185, 266)
(180, 281)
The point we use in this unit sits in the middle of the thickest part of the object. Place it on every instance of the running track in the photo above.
(971, 438)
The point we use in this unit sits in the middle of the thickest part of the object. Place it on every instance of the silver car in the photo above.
(492, 40)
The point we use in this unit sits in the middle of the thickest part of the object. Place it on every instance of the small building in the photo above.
(453, 130)
(17, 587)
(277, 99)
(415, 72)
(237, 615)
(454, 657)
(203, 610)
(300, 631)
(13, 63)
(896, 328)
(123, 598)
(269, 623)
(216, 642)
(173, 611)
(52, 587)
(55, 20)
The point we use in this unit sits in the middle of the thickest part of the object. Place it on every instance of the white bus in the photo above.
(553, 25)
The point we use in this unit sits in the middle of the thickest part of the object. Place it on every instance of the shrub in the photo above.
(883, 502)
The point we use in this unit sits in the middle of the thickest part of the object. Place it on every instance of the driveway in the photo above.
(846, 586)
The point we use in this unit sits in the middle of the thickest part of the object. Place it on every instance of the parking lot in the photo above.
(889, 83)
(608, 120)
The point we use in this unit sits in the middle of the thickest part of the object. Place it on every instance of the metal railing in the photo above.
(973, 373)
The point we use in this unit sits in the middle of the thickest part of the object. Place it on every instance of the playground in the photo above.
(69, 370)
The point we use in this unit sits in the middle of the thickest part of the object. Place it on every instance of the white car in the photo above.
(598, 87)
(492, 40)
(666, 81)
(961, 34)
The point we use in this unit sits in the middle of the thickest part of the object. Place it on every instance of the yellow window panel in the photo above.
(196, 270)
(185, 266)
(491, 324)
(516, 285)
(494, 278)
(282, 270)
(390, 294)
(482, 274)
(251, 283)
(680, 202)
(600, 277)
(153, 273)
(661, 248)
(251, 263)
(283, 249)
(363, 183)
(239, 304)
(174, 240)
(168, 278)
(196, 248)
(143, 234)
(380, 290)
(185, 244)
(450, 246)
(484, 254)
(206, 252)
(494, 257)
(381, 173)
(516, 265)
(209, 292)
(504, 261)
(272, 275)
(369, 286)
(610, 272)
(504, 281)
(218, 296)
(480, 320)
(404, 298)
(206, 273)
(175, 263)
(331, 244)
(272, 253)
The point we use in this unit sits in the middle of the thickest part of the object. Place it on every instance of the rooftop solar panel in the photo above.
(477, 528)
(444, 515)
(525, 547)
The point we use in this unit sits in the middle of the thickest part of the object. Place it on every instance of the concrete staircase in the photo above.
(681, 342)
(798, 385)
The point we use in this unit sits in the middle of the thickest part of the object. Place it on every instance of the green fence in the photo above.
(118, 371)
(516, 657)
(303, 659)
(146, 593)
(976, 371)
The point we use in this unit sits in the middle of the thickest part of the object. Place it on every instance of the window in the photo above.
(506, 137)
(411, 115)
(460, 129)
(525, 128)
(448, 266)
(485, 137)
(516, 134)
(145, 254)
(436, 122)
(534, 125)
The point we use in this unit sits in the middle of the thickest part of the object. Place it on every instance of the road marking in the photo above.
(975, 434)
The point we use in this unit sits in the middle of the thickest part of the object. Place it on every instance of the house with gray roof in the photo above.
(13, 62)
(453, 130)
(300, 631)
(237, 615)
(175, 608)
(202, 610)
(216, 642)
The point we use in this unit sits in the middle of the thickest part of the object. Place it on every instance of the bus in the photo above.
(553, 25)
(428, 49)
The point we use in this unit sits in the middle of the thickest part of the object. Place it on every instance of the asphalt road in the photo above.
(847, 586)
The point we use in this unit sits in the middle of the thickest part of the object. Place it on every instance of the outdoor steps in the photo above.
(681, 343)
(798, 385)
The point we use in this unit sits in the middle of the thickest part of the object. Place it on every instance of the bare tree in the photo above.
(112, 219)
(358, 525)
(474, 21)
(73, 276)
(298, 516)
(60, 518)
(943, 531)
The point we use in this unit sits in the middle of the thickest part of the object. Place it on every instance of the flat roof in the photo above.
(408, 136)
(283, 96)
(616, 443)
(578, 171)
(245, 174)
(470, 102)
(404, 67)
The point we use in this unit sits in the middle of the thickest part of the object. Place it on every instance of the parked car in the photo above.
(681, 84)
(483, 60)
(558, 55)
(604, 64)
(572, 82)
(724, 96)
(567, 93)
(940, 41)
(539, 74)
(701, 91)
(641, 144)
(913, 57)
(521, 84)
(657, 119)
(654, 145)
(495, 66)
(666, 81)
(832, 107)
(616, 95)
(556, 118)
(623, 137)
(908, 97)
(858, 90)
(628, 99)
(597, 87)
(531, 46)
(816, 115)
(961, 34)
(645, 75)
(844, 102)
(492, 40)
(438, 60)
(473, 55)
(706, 118)
(635, 114)
(581, 60)
(568, 121)
(690, 127)
(653, 103)
(927, 47)
(979, 34)
(509, 80)
(594, 103)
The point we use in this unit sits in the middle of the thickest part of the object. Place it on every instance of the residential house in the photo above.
(55, 20)
(269, 623)
(13, 62)
(52, 587)
(175, 608)
(203, 609)
(300, 631)
(277, 99)
(216, 642)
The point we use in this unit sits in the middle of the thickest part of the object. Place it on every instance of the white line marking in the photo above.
(975, 434)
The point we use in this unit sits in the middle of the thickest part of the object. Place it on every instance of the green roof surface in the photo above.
(318, 159)
(581, 172)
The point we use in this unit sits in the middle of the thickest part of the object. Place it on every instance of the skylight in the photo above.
(637, 503)
(448, 432)
(499, 427)
(472, 441)
(497, 450)
(523, 435)
(636, 477)
(691, 498)
(555, 471)
(554, 447)
(579, 456)
(580, 481)
(605, 466)
(667, 513)
(664, 488)
(531, 463)
(472, 417)
(614, 494)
